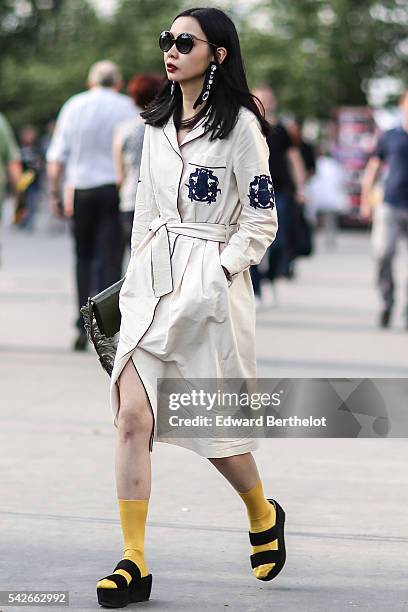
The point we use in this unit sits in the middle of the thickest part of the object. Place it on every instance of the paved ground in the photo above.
(346, 500)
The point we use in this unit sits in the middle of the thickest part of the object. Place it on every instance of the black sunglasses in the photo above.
(184, 42)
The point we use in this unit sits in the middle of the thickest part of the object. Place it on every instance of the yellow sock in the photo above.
(262, 516)
(133, 515)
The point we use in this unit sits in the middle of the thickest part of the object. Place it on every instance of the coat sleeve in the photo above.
(145, 206)
(258, 220)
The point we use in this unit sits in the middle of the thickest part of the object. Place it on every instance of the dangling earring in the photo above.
(173, 87)
(208, 81)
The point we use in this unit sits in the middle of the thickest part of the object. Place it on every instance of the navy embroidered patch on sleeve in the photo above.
(261, 193)
(203, 186)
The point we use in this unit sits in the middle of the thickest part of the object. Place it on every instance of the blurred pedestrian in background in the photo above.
(82, 145)
(390, 217)
(47, 137)
(288, 178)
(10, 161)
(128, 143)
(306, 148)
(29, 186)
(327, 195)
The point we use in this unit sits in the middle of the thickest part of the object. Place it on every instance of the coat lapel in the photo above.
(196, 132)
(170, 132)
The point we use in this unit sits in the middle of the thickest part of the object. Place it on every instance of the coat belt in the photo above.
(162, 277)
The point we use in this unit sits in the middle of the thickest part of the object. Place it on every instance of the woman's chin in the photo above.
(173, 76)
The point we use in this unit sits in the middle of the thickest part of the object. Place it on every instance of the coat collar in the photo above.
(170, 132)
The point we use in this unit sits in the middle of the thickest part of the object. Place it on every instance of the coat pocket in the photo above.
(226, 281)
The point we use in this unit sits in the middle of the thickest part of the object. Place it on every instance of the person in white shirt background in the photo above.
(81, 148)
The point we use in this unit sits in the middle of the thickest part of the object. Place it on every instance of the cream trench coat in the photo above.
(199, 206)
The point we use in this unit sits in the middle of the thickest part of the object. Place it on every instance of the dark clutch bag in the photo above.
(102, 319)
(106, 309)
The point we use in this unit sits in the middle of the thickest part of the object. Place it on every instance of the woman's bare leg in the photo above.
(133, 468)
(240, 470)
(242, 473)
(135, 422)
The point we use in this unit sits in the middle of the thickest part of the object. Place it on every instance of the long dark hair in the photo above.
(229, 90)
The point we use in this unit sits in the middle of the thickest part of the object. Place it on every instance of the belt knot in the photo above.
(162, 277)
(157, 223)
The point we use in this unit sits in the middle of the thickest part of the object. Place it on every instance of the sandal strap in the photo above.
(129, 566)
(264, 537)
(118, 579)
(267, 556)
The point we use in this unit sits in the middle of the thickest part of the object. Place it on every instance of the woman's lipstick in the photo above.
(171, 68)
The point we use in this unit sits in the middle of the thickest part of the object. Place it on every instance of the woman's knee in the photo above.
(134, 419)
(135, 415)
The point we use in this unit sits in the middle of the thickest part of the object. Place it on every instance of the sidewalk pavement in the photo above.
(345, 500)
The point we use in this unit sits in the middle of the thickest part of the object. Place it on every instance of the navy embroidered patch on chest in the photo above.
(203, 186)
(261, 193)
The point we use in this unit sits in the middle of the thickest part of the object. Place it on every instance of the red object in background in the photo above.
(354, 136)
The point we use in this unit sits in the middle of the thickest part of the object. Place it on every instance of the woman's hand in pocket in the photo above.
(227, 274)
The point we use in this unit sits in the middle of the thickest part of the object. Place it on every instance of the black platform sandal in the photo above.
(265, 537)
(138, 589)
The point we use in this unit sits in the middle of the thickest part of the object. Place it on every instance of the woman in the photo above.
(187, 301)
(127, 148)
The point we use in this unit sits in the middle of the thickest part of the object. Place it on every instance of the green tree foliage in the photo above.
(46, 50)
(315, 53)
(132, 38)
(318, 54)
